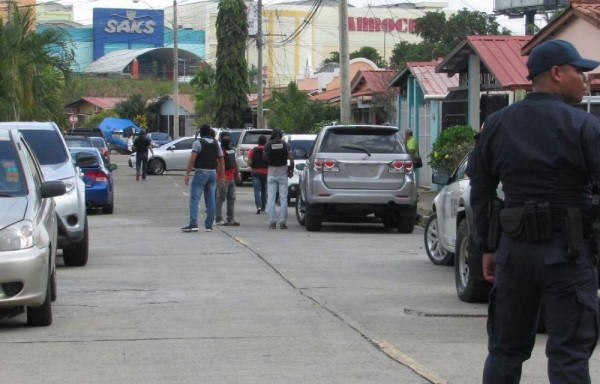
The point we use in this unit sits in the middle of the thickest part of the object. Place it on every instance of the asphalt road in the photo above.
(349, 304)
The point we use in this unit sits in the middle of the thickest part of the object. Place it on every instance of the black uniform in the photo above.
(545, 153)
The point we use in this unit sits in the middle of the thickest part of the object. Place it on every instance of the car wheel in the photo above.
(41, 316)
(110, 208)
(471, 287)
(433, 246)
(311, 221)
(300, 210)
(156, 167)
(406, 224)
(78, 255)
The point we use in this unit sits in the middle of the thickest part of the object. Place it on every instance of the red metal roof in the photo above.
(502, 57)
(374, 81)
(432, 83)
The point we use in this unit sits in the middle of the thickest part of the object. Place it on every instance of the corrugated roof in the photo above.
(327, 96)
(501, 55)
(432, 83)
(101, 102)
(374, 81)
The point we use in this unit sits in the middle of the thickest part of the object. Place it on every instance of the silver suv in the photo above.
(358, 172)
(248, 140)
(50, 148)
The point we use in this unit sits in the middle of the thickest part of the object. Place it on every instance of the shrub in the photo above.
(451, 147)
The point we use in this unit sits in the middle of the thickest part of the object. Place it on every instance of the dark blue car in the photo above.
(98, 180)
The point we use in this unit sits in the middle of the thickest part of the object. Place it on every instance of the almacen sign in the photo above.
(375, 24)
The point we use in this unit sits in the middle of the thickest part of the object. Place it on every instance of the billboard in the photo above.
(117, 28)
(521, 6)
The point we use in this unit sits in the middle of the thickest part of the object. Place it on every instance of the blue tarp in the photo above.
(117, 131)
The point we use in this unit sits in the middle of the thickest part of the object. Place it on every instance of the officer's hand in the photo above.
(489, 267)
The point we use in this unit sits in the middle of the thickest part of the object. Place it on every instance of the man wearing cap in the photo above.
(546, 154)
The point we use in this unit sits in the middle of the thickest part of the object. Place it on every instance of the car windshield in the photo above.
(252, 137)
(46, 145)
(368, 140)
(159, 136)
(301, 144)
(75, 142)
(11, 174)
(235, 136)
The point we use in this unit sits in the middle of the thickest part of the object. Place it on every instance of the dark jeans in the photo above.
(259, 182)
(141, 161)
(569, 293)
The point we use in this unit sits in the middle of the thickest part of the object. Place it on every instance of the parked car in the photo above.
(159, 138)
(172, 156)
(101, 145)
(74, 141)
(48, 144)
(301, 146)
(28, 232)
(357, 172)
(98, 179)
(248, 140)
(95, 135)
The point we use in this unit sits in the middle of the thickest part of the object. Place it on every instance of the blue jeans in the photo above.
(274, 183)
(141, 161)
(259, 182)
(204, 182)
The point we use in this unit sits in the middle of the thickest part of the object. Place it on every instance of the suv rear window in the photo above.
(371, 140)
(252, 137)
(47, 146)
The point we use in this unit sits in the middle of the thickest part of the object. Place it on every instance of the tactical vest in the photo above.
(207, 158)
(258, 159)
(278, 154)
(229, 158)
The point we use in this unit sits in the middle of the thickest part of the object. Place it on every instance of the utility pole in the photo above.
(259, 77)
(345, 113)
(175, 74)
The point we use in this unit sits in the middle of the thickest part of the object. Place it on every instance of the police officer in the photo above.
(545, 153)
(226, 190)
(277, 153)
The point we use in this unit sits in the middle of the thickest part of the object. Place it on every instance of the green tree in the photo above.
(294, 112)
(34, 68)
(364, 52)
(232, 69)
(95, 120)
(334, 57)
(451, 146)
(204, 84)
(440, 35)
(132, 107)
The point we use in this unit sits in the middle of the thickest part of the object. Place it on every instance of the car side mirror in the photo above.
(112, 167)
(300, 166)
(53, 188)
(440, 178)
(172, 148)
(300, 153)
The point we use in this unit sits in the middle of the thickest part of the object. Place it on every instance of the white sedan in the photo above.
(172, 156)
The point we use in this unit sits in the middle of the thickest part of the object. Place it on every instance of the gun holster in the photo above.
(494, 227)
(573, 232)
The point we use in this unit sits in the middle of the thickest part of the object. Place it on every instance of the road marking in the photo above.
(402, 358)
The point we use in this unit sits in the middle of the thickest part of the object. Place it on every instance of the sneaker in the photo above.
(221, 222)
(190, 228)
(208, 230)
(282, 226)
(258, 211)
(272, 226)
(233, 224)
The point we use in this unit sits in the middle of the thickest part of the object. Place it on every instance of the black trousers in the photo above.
(569, 291)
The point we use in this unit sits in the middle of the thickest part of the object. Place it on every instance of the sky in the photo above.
(82, 9)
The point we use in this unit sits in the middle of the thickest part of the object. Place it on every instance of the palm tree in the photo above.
(33, 69)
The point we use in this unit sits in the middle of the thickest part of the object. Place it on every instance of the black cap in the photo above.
(554, 53)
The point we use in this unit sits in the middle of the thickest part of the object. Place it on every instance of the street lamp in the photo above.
(175, 70)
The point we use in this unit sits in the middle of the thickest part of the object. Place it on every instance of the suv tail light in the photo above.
(400, 166)
(326, 165)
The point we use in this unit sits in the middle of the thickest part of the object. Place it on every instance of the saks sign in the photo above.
(130, 23)
(118, 29)
(375, 24)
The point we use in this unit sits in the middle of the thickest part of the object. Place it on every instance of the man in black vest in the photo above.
(207, 161)
(226, 190)
(142, 145)
(278, 153)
